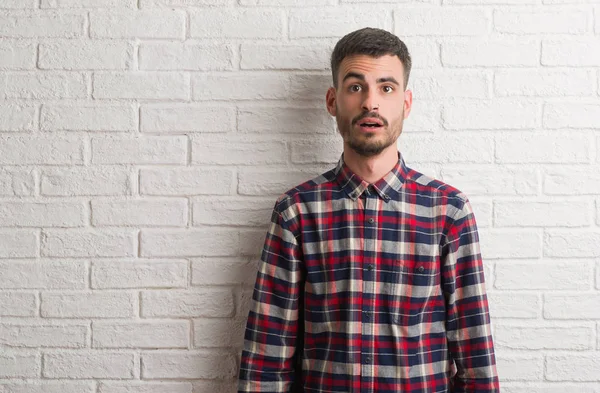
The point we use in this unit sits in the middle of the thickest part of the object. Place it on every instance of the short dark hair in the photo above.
(372, 42)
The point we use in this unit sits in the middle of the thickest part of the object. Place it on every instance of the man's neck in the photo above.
(371, 169)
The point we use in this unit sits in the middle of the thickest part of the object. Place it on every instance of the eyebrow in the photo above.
(362, 78)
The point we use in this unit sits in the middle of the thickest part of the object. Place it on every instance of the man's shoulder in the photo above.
(424, 184)
(305, 190)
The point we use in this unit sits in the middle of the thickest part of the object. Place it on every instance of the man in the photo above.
(371, 278)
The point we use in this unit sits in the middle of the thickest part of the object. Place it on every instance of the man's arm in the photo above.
(467, 314)
(267, 363)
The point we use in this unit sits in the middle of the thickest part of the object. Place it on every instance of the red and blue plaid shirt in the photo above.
(370, 288)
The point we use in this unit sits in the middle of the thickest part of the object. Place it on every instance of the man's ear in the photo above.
(330, 101)
(408, 98)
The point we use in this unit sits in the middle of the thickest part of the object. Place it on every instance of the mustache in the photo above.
(370, 114)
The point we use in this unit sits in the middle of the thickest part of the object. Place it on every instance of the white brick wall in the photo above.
(143, 144)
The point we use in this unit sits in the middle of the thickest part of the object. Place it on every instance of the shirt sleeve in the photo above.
(468, 324)
(267, 362)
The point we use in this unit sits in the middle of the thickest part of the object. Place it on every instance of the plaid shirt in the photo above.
(370, 288)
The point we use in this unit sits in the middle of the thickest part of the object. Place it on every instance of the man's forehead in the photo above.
(369, 65)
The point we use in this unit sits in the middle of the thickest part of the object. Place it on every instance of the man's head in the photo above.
(370, 69)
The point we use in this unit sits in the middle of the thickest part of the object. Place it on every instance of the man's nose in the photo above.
(370, 102)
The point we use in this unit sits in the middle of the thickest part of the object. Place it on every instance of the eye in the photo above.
(388, 89)
(355, 88)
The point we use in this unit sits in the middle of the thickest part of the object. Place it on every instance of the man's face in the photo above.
(370, 102)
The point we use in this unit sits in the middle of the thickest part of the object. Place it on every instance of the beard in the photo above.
(369, 144)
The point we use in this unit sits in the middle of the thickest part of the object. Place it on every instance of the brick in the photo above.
(441, 21)
(251, 242)
(144, 387)
(18, 243)
(183, 56)
(491, 114)
(86, 117)
(192, 242)
(173, 334)
(180, 118)
(238, 151)
(183, 3)
(223, 271)
(19, 182)
(507, 181)
(424, 51)
(140, 150)
(87, 365)
(270, 182)
(520, 367)
(309, 87)
(140, 212)
(33, 214)
(102, 304)
(543, 337)
(18, 150)
(19, 365)
(219, 332)
(548, 275)
(215, 385)
(319, 23)
(491, 52)
(571, 306)
(137, 24)
(185, 181)
(188, 365)
(540, 22)
(571, 115)
(89, 243)
(489, 2)
(290, 3)
(552, 387)
(284, 120)
(268, 56)
(139, 274)
(232, 211)
(43, 335)
(43, 275)
(543, 148)
(42, 24)
(573, 367)
(86, 55)
(45, 85)
(544, 83)
(187, 304)
(449, 149)
(572, 181)
(236, 23)
(226, 86)
(436, 85)
(37, 386)
(571, 244)
(17, 54)
(17, 117)
(541, 214)
(141, 85)
(326, 150)
(524, 244)
(573, 52)
(85, 181)
(482, 209)
(15, 4)
(18, 304)
(88, 4)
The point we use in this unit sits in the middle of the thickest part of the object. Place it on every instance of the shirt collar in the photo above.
(386, 187)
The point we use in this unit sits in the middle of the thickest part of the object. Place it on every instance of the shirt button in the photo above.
(367, 360)
(369, 267)
(371, 220)
(386, 197)
(367, 316)
(421, 269)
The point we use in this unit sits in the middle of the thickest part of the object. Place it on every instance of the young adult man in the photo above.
(371, 278)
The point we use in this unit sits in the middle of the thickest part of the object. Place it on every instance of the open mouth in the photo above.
(370, 123)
